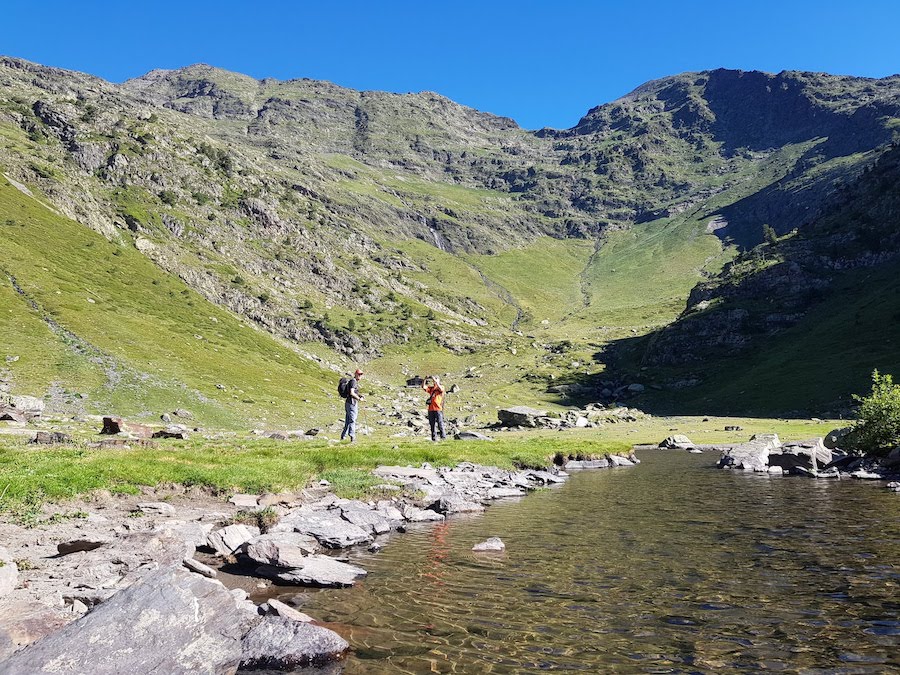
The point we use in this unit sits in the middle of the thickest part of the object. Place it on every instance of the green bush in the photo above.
(877, 429)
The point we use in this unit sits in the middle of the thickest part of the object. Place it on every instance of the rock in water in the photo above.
(491, 544)
(677, 442)
(285, 644)
(170, 622)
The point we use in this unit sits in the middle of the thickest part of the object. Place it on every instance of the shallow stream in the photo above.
(670, 567)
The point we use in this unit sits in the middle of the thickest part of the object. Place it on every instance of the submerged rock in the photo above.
(315, 570)
(282, 643)
(491, 544)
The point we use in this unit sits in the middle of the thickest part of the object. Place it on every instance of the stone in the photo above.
(280, 643)
(171, 621)
(230, 539)
(176, 432)
(30, 405)
(750, 456)
(801, 453)
(449, 504)
(617, 460)
(182, 413)
(490, 544)
(329, 528)
(156, 508)
(78, 545)
(520, 416)
(315, 570)
(200, 568)
(777, 470)
(894, 486)
(471, 436)
(544, 477)
(834, 437)
(117, 425)
(695, 451)
(504, 493)
(368, 519)
(193, 533)
(587, 464)
(9, 573)
(245, 501)
(51, 438)
(677, 442)
(23, 622)
(277, 608)
(635, 388)
(733, 427)
(416, 515)
(278, 550)
(582, 422)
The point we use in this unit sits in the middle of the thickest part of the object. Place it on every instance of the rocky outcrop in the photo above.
(677, 442)
(750, 456)
(280, 643)
(194, 618)
(520, 416)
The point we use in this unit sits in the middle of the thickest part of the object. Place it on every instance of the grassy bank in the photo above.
(31, 476)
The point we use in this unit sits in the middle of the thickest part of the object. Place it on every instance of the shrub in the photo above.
(877, 429)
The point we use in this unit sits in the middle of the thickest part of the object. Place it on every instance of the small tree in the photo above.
(877, 429)
(769, 234)
(351, 325)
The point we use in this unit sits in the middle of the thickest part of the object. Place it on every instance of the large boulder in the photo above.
(281, 549)
(677, 442)
(800, 454)
(520, 416)
(281, 643)
(229, 540)
(835, 437)
(171, 621)
(117, 425)
(750, 456)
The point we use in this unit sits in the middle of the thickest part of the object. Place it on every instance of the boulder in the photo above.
(78, 545)
(245, 501)
(229, 540)
(328, 527)
(117, 425)
(368, 519)
(171, 621)
(453, 503)
(9, 573)
(587, 464)
(520, 416)
(50, 438)
(801, 453)
(280, 643)
(677, 442)
(32, 406)
(280, 549)
(315, 570)
(174, 431)
(23, 622)
(416, 515)
(750, 456)
(733, 427)
(834, 437)
(491, 544)
(618, 460)
(504, 492)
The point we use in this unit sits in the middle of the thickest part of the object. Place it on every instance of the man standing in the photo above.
(435, 406)
(351, 406)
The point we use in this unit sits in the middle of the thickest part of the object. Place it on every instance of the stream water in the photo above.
(670, 567)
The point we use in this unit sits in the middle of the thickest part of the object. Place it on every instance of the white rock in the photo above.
(491, 544)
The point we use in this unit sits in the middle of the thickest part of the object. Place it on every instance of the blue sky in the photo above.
(541, 63)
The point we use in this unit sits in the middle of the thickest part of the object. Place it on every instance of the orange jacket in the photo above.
(436, 393)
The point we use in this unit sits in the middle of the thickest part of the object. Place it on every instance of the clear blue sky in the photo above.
(541, 63)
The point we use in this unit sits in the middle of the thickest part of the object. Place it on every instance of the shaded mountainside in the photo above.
(827, 292)
(413, 233)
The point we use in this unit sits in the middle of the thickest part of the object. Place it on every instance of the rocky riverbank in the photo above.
(101, 584)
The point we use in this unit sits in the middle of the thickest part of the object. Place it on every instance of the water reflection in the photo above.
(670, 567)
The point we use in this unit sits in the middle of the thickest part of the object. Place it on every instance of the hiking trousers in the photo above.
(436, 422)
(351, 412)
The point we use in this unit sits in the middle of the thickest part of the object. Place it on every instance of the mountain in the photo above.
(412, 233)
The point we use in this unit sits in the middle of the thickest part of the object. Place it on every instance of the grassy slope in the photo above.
(160, 344)
(832, 351)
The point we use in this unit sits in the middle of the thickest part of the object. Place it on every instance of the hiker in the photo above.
(349, 389)
(435, 406)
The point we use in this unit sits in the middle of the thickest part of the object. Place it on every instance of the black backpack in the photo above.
(344, 387)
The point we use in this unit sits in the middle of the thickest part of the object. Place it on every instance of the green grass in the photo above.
(158, 343)
(31, 476)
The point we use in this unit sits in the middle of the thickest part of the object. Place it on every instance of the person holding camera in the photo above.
(435, 403)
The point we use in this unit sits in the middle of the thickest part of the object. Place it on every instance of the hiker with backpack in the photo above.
(435, 402)
(348, 388)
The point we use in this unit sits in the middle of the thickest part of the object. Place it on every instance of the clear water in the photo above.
(670, 567)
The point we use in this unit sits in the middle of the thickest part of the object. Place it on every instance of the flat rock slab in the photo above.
(520, 416)
(677, 442)
(416, 515)
(503, 493)
(245, 501)
(328, 527)
(76, 545)
(156, 508)
(406, 474)
(280, 643)
(587, 464)
(368, 519)
(472, 436)
(170, 622)
(316, 570)
(449, 504)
